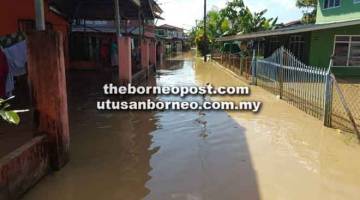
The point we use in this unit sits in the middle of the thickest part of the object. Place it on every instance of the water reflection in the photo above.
(110, 151)
(281, 153)
(151, 155)
(203, 155)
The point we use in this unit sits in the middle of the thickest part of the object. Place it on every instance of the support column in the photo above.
(145, 54)
(117, 17)
(153, 53)
(161, 54)
(39, 15)
(46, 72)
(125, 66)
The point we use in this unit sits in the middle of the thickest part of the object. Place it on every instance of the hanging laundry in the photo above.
(11, 39)
(3, 74)
(114, 53)
(16, 59)
(13, 46)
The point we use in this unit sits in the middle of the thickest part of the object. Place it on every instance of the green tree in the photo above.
(233, 19)
(254, 22)
(310, 10)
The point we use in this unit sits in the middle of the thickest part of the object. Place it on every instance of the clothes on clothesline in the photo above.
(11, 39)
(114, 54)
(16, 59)
(14, 48)
(4, 69)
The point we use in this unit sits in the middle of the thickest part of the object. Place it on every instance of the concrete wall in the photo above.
(23, 168)
(348, 10)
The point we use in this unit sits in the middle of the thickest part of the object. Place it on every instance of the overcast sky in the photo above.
(182, 13)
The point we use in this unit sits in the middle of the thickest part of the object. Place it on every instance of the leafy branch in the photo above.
(8, 115)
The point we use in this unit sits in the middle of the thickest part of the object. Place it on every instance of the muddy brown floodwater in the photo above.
(279, 154)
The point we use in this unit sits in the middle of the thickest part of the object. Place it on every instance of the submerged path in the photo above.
(280, 153)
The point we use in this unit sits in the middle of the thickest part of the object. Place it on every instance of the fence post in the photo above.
(328, 97)
(240, 65)
(280, 72)
(253, 68)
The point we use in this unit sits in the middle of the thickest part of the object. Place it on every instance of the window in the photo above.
(296, 46)
(347, 51)
(356, 1)
(274, 44)
(332, 3)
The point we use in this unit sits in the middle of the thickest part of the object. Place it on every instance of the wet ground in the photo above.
(280, 153)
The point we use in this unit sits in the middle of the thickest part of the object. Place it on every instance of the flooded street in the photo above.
(280, 153)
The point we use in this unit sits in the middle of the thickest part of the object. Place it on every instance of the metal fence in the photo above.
(314, 90)
(235, 62)
(345, 110)
(298, 84)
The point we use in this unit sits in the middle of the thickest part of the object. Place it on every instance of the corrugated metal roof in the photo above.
(289, 30)
(109, 27)
(104, 9)
(169, 27)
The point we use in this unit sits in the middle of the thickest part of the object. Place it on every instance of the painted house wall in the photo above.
(347, 11)
(11, 11)
(322, 45)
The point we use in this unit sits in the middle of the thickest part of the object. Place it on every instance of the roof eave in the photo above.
(278, 31)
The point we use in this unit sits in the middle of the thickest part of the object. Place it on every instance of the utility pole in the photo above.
(205, 34)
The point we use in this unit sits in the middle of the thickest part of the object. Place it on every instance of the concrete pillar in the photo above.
(46, 72)
(153, 53)
(145, 53)
(161, 54)
(125, 66)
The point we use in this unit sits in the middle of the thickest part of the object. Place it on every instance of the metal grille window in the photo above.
(296, 45)
(274, 44)
(331, 3)
(347, 51)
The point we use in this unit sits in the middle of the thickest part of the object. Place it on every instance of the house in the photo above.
(173, 37)
(90, 37)
(335, 35)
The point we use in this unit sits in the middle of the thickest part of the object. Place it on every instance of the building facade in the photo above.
(330, 11)
(172, 37)
(23, 19)
(335, 35)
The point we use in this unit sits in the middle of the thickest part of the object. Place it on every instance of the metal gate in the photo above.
(300, 85)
